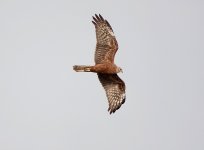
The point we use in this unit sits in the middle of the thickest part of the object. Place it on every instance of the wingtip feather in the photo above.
(101, 17)
(94, 23)
(97, 16)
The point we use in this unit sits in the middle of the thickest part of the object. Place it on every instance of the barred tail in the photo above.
(82, 68)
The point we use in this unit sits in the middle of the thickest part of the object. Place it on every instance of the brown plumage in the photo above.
(106, 48)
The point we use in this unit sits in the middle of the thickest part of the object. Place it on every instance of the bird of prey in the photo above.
(106, 69)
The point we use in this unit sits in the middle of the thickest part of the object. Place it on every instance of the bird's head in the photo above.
(119, 70)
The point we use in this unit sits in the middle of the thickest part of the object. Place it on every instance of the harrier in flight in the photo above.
(106, 48)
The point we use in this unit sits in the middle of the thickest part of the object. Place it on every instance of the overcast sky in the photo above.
(45, 105)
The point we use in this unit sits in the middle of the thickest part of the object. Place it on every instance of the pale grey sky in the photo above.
(45, 105)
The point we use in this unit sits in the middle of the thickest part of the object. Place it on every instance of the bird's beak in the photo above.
(121, 71)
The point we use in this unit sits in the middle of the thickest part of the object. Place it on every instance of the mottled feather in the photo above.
(115, 90)
(106, 48)
(106, 45)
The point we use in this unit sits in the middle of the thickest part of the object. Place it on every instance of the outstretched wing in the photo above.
(106, 46)
(115, 90)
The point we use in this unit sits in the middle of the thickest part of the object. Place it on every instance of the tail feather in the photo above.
(81, 68)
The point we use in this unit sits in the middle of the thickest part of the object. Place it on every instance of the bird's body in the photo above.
(98, 68)
(105, 67)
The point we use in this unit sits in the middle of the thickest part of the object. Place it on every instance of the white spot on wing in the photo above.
(111, 33)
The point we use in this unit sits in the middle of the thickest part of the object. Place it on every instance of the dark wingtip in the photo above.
(94, 23)
(108, 25)
(97, 16)
(123, 100)
(95, 19)
(113, 110)
(101, 17)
